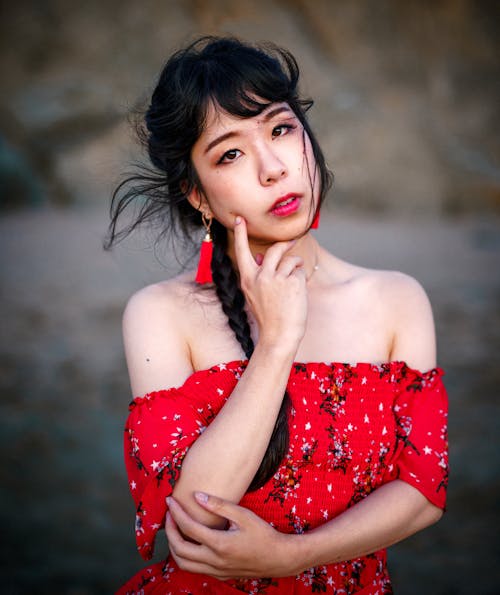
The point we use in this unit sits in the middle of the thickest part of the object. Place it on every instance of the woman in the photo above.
(269, 475)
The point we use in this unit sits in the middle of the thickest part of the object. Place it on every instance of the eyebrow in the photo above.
(232, 133)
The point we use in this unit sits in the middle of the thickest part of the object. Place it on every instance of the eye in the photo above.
(230, 155)
(281, 130)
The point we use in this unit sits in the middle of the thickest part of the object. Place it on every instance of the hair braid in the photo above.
(228, 289)
(233, 305)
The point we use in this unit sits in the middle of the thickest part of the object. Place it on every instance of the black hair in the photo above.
(242, 80)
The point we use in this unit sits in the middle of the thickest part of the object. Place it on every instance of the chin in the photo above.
(267, 239)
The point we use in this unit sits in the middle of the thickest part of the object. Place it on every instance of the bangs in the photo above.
(243, 80)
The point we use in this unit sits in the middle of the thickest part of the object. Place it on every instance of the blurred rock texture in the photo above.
(406, 92)
(407, 110)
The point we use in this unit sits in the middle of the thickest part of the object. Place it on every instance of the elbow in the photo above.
(424, 512)
(430, 515)
(184, 496)
(435, 514)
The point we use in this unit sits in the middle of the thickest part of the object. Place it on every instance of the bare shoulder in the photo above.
(389, 288)
(408, 312)
(398, 290)
(155, 335)
(401, 304)
(158, 299)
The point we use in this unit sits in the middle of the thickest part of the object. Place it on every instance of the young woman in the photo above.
(281, 431)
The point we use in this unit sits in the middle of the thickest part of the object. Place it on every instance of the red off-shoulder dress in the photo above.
(352, 429)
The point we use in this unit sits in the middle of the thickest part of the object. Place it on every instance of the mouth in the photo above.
(286, 205)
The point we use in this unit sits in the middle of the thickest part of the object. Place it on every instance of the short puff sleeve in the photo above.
(421, 412)
(160, 428)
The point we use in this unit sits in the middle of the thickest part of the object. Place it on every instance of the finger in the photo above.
(299, 272)
(179, 546)
(289, 264)
(199, 567)
(224, 508)
(275, 253)
(175, 538)
(187, 550)
(190, 556)
(189, 526)
(244, 257)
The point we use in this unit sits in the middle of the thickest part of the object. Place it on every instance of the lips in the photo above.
(286, 205)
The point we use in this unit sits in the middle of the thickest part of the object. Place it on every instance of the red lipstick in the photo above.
(286, 205)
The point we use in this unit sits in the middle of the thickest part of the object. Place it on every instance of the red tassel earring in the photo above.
(204, 272)
(315, 223)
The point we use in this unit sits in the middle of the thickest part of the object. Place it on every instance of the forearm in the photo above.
(225, 458)
(388, 515)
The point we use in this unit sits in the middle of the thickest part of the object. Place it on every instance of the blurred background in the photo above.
(407, 111)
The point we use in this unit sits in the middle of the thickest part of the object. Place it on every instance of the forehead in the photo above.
(218, 121)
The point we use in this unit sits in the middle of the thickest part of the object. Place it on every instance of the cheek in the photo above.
(226, 193)
(309, 155)
(309, 163)
(226, 198)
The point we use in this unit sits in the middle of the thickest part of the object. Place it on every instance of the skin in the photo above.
(340, 313)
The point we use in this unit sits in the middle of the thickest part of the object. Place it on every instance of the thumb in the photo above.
(219, 506)
(244, 257)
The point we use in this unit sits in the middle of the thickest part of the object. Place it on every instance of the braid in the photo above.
(228, 290)
(233, 305)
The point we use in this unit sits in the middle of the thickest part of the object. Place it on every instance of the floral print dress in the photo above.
(352, 429)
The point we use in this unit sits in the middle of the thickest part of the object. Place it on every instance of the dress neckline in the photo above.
(397, 364)
(396, 368)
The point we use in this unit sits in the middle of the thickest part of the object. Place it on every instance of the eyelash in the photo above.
(222, 159)
(287, 127)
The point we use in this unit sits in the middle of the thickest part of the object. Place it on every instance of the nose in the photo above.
(271, 167)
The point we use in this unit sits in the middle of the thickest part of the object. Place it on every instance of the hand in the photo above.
(274, 287)
(249, 548)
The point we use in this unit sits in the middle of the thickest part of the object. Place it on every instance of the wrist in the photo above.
(296, 554)
(278, 349)
(289, 552)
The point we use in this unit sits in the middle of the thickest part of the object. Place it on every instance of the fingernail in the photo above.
(168, 500)
(201, 497)
(259, 258)
(237, 220)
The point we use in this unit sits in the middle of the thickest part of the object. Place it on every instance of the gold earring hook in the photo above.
(207, 221)
(207, 224)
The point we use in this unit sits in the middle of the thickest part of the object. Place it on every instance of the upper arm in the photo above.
(155, 347)
(414, 340)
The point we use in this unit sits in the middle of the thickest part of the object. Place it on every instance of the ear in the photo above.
(197, 200)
